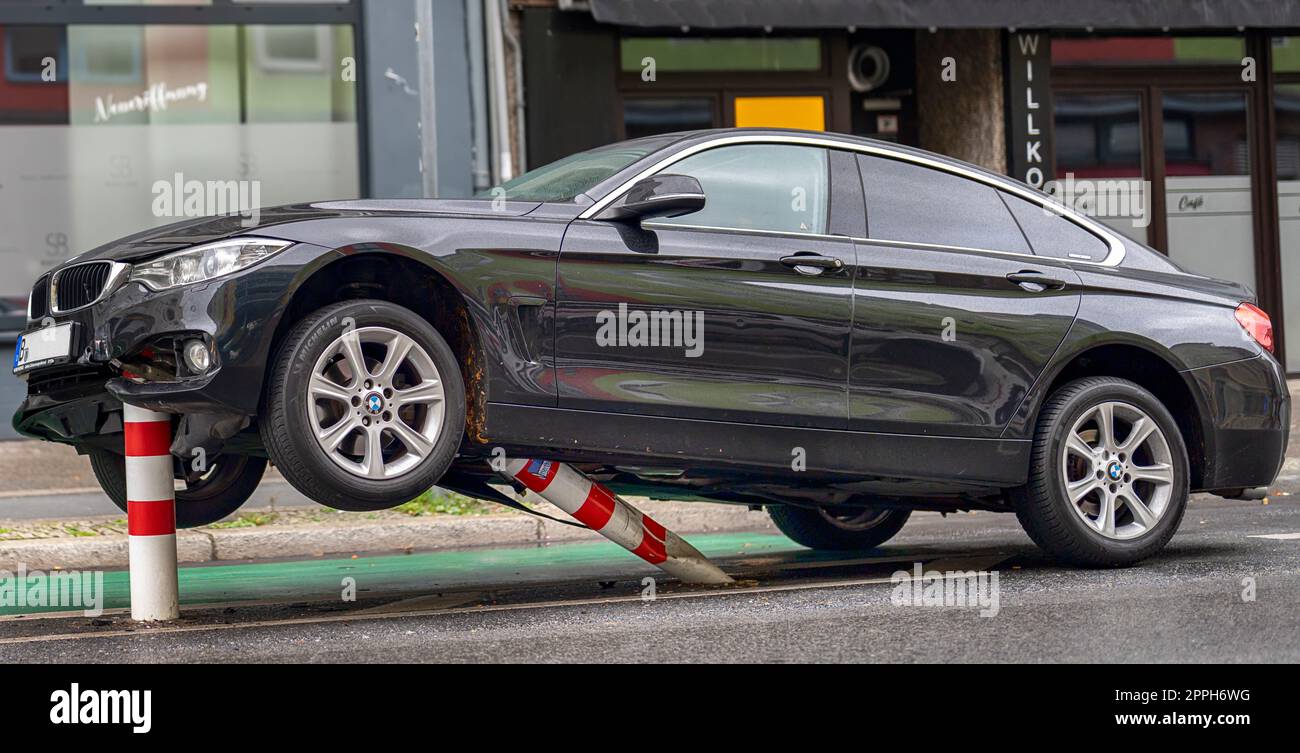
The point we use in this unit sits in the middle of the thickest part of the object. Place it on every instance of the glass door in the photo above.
(1099, 145)
(1208, 196)
(1286, 114)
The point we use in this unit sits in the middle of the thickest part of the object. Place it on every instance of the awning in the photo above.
(952, 14)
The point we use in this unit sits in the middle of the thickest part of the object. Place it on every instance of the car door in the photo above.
(711, 315)
(954, 315)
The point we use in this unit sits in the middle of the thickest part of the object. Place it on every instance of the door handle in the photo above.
(814, 261)
(1035, 282)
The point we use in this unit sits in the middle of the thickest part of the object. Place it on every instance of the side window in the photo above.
(907, 202)
(1052, 235)
(848, 210)
(774, 187)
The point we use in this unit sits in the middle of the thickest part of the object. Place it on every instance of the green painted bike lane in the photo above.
(417, 573)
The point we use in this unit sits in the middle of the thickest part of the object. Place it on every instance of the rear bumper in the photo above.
(1246, 422)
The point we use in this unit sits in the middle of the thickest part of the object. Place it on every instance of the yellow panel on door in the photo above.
(808, 113)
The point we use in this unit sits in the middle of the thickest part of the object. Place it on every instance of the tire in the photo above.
(1078, 534)
(223, 490)
(822, 530)
(345, 478)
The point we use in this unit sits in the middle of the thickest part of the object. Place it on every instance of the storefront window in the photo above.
(682, 54)
(1207, 184)
(1148, 51)
(34, 89)
(649, 116)
(1286, 54)
(1099, 140)
(100, 124)
(1286, 108)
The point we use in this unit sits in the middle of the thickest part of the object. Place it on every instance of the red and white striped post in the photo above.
(151, 515)
(603, 512)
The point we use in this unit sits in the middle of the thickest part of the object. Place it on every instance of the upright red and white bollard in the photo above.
(603, 512)
(151, 515)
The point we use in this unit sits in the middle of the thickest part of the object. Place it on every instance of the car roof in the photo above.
(681, 140)
(690, 138)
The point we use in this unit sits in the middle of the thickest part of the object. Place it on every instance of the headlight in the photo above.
(205, 262)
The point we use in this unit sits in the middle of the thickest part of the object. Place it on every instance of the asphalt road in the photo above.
(583, 603)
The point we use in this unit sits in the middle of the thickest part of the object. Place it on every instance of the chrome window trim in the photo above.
(743, 230)
(1116, 246)
(117, 274)
(661, 197)
(965, 249)
(856, 239)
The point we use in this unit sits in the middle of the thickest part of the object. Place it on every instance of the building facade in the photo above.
(1176, 123)
(111, 112)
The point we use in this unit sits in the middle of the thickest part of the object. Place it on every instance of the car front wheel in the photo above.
(847, 529)
(365, 406)
(1108, 475)
(219, 492)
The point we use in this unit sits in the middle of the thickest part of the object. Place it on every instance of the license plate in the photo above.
(43, 347)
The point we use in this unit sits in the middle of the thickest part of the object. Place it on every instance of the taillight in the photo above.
(1257, 324)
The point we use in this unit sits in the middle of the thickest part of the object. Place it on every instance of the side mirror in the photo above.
(663, 195)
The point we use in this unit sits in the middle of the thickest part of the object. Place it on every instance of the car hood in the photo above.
(156, 241)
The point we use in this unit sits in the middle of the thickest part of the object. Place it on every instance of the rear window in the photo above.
(1052, 235)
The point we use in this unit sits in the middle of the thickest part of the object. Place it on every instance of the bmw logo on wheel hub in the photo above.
(1115, 470)
(374, 404)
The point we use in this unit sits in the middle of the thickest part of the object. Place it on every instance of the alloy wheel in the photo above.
(375, 403)
(1117, 470)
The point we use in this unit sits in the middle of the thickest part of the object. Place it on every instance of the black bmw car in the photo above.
(839, 330)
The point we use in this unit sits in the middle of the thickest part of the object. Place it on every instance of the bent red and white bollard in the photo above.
(603, 512)
(151, 515)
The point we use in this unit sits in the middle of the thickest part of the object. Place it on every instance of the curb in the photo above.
(321, 539)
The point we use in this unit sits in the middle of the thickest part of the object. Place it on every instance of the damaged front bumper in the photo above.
(126, 348)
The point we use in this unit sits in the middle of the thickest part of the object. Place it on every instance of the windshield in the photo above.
(564, 179)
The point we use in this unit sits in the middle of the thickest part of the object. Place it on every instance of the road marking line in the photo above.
(372, 616)
(428, 602)
(1275, 536)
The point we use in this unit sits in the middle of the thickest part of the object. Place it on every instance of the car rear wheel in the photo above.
(847, 529)
(223, 489)
(365, 406)
(1108, 475)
